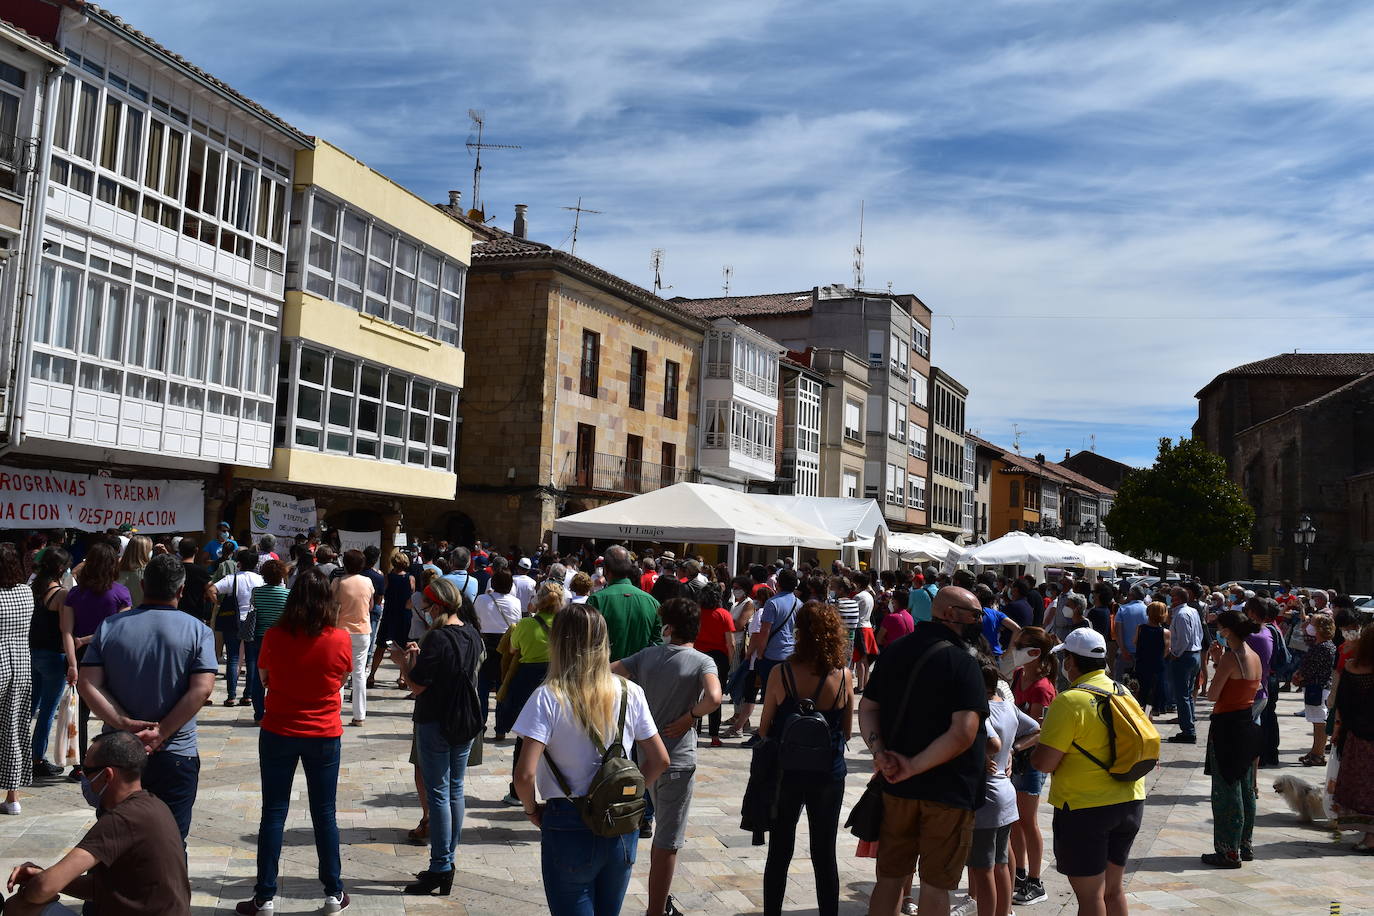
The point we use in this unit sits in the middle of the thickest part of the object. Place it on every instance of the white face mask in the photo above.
(1351, 634)
(1021, 656)
(738, 594)
(663, 633)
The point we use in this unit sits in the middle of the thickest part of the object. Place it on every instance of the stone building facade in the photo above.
(581, 389)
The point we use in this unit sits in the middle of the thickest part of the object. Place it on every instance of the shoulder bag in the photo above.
(866, 817)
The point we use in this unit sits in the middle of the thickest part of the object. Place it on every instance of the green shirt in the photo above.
(269, 601)
(531, 640)
(631, 617)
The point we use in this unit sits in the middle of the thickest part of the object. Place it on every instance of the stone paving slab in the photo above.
(1299, 869)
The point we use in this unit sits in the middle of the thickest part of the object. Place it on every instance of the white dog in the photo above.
(1304, 798)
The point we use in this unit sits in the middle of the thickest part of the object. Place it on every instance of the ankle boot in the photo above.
(430, 881)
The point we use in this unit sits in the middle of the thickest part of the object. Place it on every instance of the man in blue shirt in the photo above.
(920, 598)
(223, 546)
(459, 575)
(1185, 651)
(149, 671)
(1129, 618)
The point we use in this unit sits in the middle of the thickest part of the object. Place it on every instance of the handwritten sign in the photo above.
(281, 515)
(54, 499)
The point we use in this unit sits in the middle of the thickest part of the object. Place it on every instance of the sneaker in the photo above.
(512, 800)
(1181, 739)
(964, 906)
(716, 742)
(646, 829)
(335, 904)
(909, 907)
(251, 906)
(1217, 860)
(753, 741)
(670, 907)
(9, 807)
(1032, 890)
(44, 770)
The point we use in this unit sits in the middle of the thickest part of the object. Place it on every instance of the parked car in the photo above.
(1366, 609)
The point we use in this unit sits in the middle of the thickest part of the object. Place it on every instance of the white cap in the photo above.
(1084, 641)
(524, 563)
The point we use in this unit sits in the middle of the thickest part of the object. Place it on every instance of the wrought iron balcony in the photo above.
(618, 474)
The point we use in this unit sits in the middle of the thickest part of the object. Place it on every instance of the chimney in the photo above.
(1067, 454)
(521, 229)
(455, 200)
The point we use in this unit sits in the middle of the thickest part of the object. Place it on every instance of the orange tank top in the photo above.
(1236, 694)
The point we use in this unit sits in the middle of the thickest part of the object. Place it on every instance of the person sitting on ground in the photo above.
(131, 861)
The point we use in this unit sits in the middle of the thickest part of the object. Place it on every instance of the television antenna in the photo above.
(859, 252)
(577, 221)
(727, 272)
(475, 147)
(656, 262)
(1016, 435)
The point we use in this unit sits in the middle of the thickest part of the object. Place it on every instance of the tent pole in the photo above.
(796, 556)
(553, 542)
(734, 558)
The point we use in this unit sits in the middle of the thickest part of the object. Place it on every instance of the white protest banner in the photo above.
(54, 499)
(359, 540)
(280, 515)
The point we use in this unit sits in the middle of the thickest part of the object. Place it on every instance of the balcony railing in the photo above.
(17, 156)
(618, 474)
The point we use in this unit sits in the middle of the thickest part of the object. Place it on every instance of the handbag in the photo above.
(66, 747)
(866, 817)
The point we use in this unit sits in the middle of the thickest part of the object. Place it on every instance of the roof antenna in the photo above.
(727, 272)
(577, 220)
(1016, 438)
(476, 147)
(859, 252)
(656, 262)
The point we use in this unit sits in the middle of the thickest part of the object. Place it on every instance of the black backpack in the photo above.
(804, 741)
(614, 804)
(462, 719)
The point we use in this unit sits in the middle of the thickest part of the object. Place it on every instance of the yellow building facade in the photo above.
(371, 358)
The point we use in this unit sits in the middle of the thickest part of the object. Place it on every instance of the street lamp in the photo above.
(1305, 535)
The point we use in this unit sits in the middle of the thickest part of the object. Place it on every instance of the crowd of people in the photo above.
(975, 694)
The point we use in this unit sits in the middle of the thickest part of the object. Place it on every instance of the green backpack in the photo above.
(614, 804)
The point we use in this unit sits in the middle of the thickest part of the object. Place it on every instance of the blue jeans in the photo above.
(252, 650)
(277, 758)
(443, 766)
(232, 643)
(174, 779)
(49, 677)
(584, 875)
(1183, 670)
(376, 617)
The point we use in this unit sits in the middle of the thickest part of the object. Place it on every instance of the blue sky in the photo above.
(1105, 204)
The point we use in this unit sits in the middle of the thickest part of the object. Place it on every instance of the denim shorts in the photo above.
(1031, 782)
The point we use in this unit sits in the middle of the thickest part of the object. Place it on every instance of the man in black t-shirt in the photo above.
(197, 577)
(131, 861)
(932, 758)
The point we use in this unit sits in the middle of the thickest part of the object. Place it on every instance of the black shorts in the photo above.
(1087, 839)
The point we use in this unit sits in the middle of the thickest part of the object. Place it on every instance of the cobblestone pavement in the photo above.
(1298, 869)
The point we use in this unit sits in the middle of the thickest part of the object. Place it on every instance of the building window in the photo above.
(1016, 494)
(897, 354)
(849, 484)
(875, 414)
(802, 414)
(715, 424)
(590, 379)
(894, 485)
(915, 491)
(585, 456)
(896, 419)
(920, 340)
(634, 464)
(806, 477)
(667, 465)
(919, 440)
(350, 407)
(639, 370)
(355, 261)
(920, 392)
(875, 349)
(671, 370)
(853, 420)
(755, 366)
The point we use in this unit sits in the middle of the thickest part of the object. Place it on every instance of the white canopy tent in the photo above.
(840, 515)
(1019, 548)
(697, 513)
(913, 548)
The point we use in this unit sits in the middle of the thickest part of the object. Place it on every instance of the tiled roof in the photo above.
(508, 249)
(1052, 470)
(1312, 365)
(739, 306)
(1332, 395)
(36, 39)
(142, 38)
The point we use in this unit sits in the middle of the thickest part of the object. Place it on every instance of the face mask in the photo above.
(738, 594)
(90, 793)
(831, 595)
(1352, 634)
(663, 633)
(1067, 612)
(1022, 656)
(971, 632)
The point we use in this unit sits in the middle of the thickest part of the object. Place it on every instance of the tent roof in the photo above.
(696, 513)
(839, 515)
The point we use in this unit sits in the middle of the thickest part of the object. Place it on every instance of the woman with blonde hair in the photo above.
(131, 565)
(527, 661)
(581, 705)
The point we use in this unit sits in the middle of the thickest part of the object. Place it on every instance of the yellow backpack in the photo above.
(1131, 737)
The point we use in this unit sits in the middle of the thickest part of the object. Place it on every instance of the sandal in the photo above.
(420, 833)
(1312, 760)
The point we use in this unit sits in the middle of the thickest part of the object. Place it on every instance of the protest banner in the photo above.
(56, 499)
(281, 515)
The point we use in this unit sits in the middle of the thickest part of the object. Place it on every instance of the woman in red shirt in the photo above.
(713, 639)
(303, 663)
